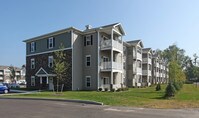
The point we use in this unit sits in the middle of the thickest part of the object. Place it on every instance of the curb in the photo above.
(61, 100)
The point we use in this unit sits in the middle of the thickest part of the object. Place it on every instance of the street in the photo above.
(53, 109)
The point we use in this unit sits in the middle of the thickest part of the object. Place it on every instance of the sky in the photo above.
(158, 23)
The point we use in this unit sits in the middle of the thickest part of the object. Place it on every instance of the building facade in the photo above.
(5, 74)
(98, 58)
(95, 57)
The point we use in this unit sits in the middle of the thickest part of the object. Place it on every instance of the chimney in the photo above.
(88, 27)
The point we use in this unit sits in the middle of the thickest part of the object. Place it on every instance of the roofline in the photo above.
(52, 33)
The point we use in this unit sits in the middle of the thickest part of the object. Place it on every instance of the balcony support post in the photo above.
(111, 82)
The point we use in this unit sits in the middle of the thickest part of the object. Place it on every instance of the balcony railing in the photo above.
(107, 66)
(108, 44)
(146, 60)
(146, 72)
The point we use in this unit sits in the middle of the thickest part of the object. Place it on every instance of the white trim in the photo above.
(117, 32)
(50, 57)
(99, 59)
(86, 81)
(32, 77)
(32, 60)
(72, 40)
(40, 70)
(32, 47)
(48, 51)
(86, 60)
(52, 41)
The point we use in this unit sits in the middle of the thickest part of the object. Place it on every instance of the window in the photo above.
(139, 50)
(32, 47)
(32, 63)
(51, 42)
(88, 40)
(88, 60)
(139, 64)
(50, 61)
(105, 80)
(105, 59)
(32, 80)
(88, 81)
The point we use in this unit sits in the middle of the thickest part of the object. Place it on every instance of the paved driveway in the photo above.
(52, 109)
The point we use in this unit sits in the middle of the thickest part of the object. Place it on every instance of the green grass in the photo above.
(135, 97)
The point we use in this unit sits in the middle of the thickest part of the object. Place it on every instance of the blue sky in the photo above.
(159, 23)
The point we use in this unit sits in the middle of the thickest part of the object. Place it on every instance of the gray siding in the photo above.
(77, 61)
(41, 45)
(93, 69)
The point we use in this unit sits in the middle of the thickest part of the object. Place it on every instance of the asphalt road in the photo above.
(52, 109)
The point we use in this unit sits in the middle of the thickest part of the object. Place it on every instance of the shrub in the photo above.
(112, 90)
(158, 87)
(118, 90)
(170, 90)
(177, 86)
(105, 89)
(100, 89)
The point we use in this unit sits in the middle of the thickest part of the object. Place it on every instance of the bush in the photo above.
(170, 90)
(119, 89)
(177, 86)
(100, 89)
(112, 90)
(158, 87)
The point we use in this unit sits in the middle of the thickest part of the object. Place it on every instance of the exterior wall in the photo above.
(42, 61)
(77, 61)
(41, 45)
(93, 69)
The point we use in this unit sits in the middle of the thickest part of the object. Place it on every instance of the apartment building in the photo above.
(159, 70)
(95, 56)
(134, 63)
(5, 74)
(146, 66)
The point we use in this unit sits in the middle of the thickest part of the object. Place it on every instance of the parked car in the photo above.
(3, 88)
(14, 85)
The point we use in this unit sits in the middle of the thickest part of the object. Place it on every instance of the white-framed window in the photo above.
(32, 63)
(88, 60)
(32, 81)
(51, 42)
(50, 61)
(105, 80)
(88, 40)
(32, 46)
(105, 59)
(88, 81)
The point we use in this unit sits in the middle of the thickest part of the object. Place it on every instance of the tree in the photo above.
(174, 53)
(12, 73)
(60, 66)
(195, 58)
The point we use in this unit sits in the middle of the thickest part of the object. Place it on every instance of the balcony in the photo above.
(106, 66)
(1, 73)
(146, 60)
(108, 44)
(146, 72)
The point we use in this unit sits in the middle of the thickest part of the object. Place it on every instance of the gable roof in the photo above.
(146, 50)
(107, 26)
(135, 42)
(52, 33)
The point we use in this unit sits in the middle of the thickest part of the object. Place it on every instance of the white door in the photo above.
(51, 86)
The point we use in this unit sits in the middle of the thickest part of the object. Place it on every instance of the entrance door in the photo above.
(44, 80)
(51, 86)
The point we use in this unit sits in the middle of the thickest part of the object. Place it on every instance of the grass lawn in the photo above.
(188, 97)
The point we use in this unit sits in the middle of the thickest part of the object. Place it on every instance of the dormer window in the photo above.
(51, 42)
